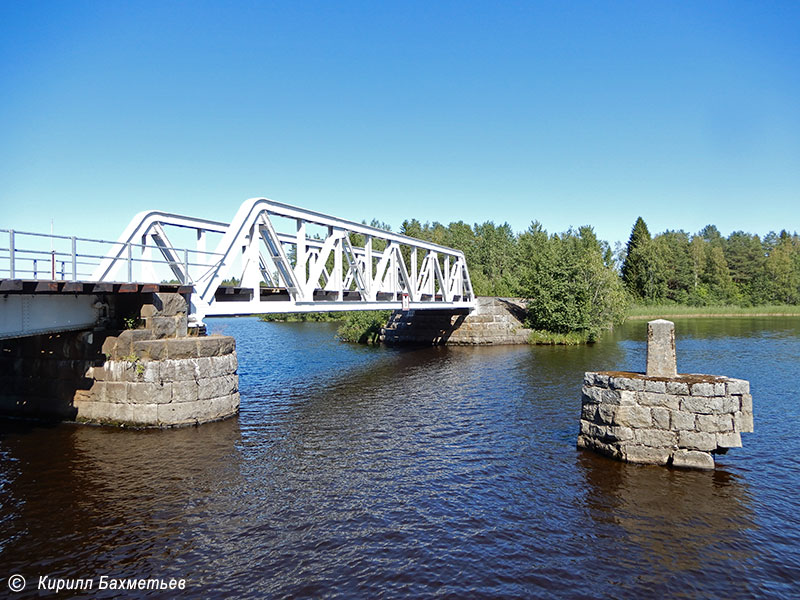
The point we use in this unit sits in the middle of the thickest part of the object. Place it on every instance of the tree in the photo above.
(782, 268)
(497, 258)
(745, 256)
(638, 264)
(717, 277)
(673, 261)
(569, 282)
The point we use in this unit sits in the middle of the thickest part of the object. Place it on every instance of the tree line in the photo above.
(575, 282)
(707, 268)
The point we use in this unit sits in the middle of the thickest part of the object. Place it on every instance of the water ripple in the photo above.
(357, 472)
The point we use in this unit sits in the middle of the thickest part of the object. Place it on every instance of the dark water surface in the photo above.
(357, 472)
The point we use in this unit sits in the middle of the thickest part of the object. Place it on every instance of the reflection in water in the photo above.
(99, 500)
(366, 472)
(676, 533)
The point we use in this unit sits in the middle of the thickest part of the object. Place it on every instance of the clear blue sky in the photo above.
(570, 113)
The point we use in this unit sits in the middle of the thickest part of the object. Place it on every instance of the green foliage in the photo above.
(639, 265)
(569, 282)
(363, 327)
(134, 359)
(131, 322)
(314, 317)
(708, 269)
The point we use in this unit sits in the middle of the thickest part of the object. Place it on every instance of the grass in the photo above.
(654, 311)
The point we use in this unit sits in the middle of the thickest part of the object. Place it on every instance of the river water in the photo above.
(356, 472)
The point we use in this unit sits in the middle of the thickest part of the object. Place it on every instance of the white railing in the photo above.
(40, 256)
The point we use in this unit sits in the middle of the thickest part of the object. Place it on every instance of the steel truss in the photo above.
(343, 266)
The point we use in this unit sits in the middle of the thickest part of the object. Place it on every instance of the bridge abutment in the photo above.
(154, 376)
(495, 321)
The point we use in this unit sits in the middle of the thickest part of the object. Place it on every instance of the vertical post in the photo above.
(661, 349)
(74, 258)
(446, 277)
(147, 271)
(52, 264)
(130, 262)
(11, 266)
(432, 257)
(186, 278)
(251, 274)
(35, 269)
(300, 264)
(394, 282)
(368, 269)
(413, 274)
(338, 275)
(62, 270)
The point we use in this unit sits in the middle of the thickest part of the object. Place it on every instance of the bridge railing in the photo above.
(41, 256)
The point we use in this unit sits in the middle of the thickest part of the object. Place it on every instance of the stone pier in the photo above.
(156, 375)
(662, 417)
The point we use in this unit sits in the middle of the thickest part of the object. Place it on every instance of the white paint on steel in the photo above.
(253, 252)
(306, 272)
(22, 315)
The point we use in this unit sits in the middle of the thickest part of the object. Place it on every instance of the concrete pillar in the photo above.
(661, 360)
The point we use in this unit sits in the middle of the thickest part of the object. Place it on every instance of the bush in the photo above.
(363, 327)
(570, 283)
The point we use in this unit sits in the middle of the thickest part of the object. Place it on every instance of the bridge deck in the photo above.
(44, 286)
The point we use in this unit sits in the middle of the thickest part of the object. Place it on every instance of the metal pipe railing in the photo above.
(18, 253)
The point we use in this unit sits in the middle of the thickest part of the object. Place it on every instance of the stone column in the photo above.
(661, 360)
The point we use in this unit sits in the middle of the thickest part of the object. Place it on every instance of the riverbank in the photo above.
(678, 311)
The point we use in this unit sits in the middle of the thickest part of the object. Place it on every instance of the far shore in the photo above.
(696, 312)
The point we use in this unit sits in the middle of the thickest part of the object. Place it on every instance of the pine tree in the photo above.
(635, 268)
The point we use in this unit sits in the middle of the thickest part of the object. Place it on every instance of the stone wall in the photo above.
(40, 375)
(681, 421)
(495, 321)
(154, 376)
(162, 382)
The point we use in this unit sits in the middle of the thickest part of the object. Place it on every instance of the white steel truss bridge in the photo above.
(271, 258)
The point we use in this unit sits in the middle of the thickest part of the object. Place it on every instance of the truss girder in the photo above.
(349, 266)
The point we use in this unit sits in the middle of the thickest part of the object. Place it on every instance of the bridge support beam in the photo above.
(31, 314)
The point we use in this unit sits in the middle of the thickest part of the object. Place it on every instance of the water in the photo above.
(357, 472)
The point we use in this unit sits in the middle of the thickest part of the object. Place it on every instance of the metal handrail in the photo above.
(17, 257)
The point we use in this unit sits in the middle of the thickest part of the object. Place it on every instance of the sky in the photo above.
(569, 113)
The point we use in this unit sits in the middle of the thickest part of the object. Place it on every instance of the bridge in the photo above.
(271, 258)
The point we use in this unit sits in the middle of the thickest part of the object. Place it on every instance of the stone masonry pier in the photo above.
(156, 375)
(680, 420)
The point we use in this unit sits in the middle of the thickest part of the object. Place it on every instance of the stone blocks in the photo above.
(495, 321)
(682, 421)
(179, 391)
(153, 378)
